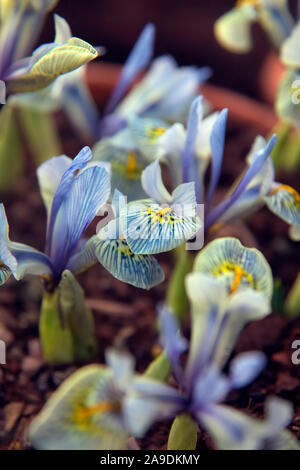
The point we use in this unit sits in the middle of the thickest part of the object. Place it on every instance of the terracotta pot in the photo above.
(102, 78)
(269, 77)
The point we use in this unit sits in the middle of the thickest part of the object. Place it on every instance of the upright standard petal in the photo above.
(138, 59)
(65, 184)
(289, 53)
(153, 184)
(233, 29)
(172, 340)
(127, 165)
(49, 175)
(188, 154)
(147, 134)
(256, 166)
(217, 141)
(86, 194)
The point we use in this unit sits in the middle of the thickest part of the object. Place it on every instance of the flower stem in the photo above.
(160, 368)
(176, 294)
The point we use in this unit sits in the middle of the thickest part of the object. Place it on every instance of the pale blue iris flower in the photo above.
(164, 221)
(20, 25)
(73, 193)
(165, 92)
(233, 29)
(98, 407)
(187, 154)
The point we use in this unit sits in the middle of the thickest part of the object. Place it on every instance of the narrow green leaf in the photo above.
(12, 156)
(159, 369)
(292, 303)
(40, 133)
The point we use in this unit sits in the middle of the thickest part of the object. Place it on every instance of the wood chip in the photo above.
(12, 413)
(110, 307)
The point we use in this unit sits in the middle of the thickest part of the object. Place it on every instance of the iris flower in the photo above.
(233, 29)
(187, 154)
(99, 407)
(73, 192)
(20, 24)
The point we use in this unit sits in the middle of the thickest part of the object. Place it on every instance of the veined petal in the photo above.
(171, 145)
(184, 194)
(8, 263)
(183, 85)
(150, 401)
(208, 296)
(49, 175)
(151, 228)
(203, 147)
(84, 413)
(141, 412)
(18, 259)
(241, 307)
(122, 365)
(83, 259)
(153, 184)
(72, 94)
(246, 367)
(50, 61)
(88, 192)
(147, 134)
(127, 165)
(195, 115)
(217, 141)
(210, 387)
(233, 29)
(287, 99)
(284, 201)
(150, 89)
(138, 59)
(29, 261)
(172, 340)
(256, 166)
(117, 258)
(294, 233)
(289, 53)
(65, 184)
(231, 429)
(228, 259)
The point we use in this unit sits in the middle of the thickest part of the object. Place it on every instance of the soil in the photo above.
(127, 315)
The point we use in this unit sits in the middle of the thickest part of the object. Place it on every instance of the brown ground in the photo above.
(123, 313)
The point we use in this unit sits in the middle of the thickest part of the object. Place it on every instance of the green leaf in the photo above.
(292, 304)
(278, 297)
(57, 60)
(176, 294)
(159, 369)
(12, 156)
(183, 434)
(55, 333)
(40, 133)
